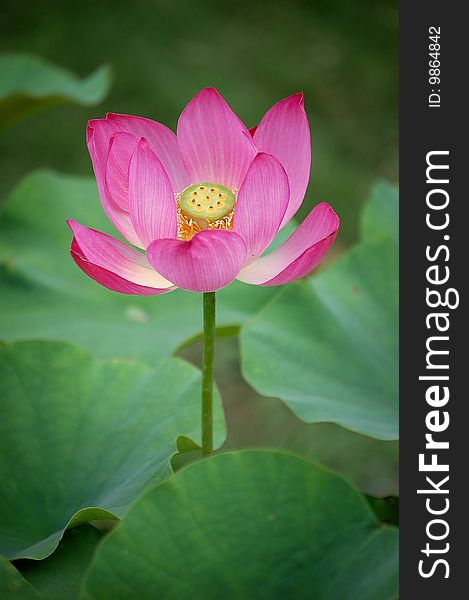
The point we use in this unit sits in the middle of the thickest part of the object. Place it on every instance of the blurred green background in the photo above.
(342, 54)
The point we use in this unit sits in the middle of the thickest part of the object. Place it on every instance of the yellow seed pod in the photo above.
(210, 201)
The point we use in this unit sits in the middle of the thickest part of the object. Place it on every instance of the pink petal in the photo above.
(151, 199)
(98, 136)
(121, 148)
(261, 204)
(284, 132)
(206, 263)
(253, 130)
(299, 254)
(215, 145)
(109, 280)
(113, 264)
(163, 142)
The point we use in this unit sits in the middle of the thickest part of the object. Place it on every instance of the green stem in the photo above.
(207, 373)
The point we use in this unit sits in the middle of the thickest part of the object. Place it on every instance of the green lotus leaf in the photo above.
(256, 421)
(29, 83)
(59, 576)
(13, 586)
(80, 439)
(386, 509)
(328, 345)
(44, 295)
(250, 524)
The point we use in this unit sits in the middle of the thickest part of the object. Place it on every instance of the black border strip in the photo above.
(425, 127)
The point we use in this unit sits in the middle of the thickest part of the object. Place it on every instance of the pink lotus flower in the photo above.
(204, 205)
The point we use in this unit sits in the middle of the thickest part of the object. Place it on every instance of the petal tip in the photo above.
(328, 207)
(93, 123)
(297, 99)
(267, 157)
(89, 131)
(210, 89)
(144, 145)
(294, 101)
(73, 225)
(205, 93)
(112, 116)
(91, 127)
